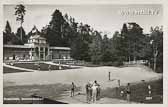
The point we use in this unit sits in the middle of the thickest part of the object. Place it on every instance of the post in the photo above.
(39, 52)
(109, 76)
(44, 58)
(155, 59)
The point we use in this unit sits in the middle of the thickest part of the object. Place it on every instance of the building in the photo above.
(36, 49)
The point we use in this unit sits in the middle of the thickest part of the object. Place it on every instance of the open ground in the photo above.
(80, 77)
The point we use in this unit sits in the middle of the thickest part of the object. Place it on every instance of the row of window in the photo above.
(36, 41)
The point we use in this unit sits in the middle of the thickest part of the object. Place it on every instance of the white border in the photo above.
(88, 2)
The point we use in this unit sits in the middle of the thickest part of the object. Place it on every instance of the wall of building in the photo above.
(30, 54)
(18, 53)
(60, 54)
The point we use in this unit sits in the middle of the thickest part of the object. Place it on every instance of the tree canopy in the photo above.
(88, 44)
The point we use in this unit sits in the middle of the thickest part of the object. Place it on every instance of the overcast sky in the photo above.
(105, 18)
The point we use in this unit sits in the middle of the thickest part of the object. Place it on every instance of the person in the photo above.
(88, 92)
(98, 91)
(72, 89)
(119, 83)
(128, 92)
(94, 92)
(38, 66)
(49, 67)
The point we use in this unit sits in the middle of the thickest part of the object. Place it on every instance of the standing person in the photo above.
(119, 83)
(49, 67)
(39, 66)
(109, 75)
(128, 92)
(98, 90)
(94, 92)
(88, 92)
(72, 89)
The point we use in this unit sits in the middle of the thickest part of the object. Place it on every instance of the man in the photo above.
(94, 92)
(128, 92)
(39, 66)
(88, 92)
(72, 89)
(98, 90)
(119, 83)
(49, 67)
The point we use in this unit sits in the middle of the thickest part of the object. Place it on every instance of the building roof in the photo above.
(60, 48)
(16, 46)
(37, 37)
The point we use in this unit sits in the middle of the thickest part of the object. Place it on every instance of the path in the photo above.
(19, 68)
(81, 99)
(72, 66)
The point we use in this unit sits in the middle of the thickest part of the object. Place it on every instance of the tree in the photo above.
(95, 48)
(133, 40)
(106, 53)
(20, 31)
(118, 47)
(54, 33)
(80, 46)
(157, 48)
(7, 33)
(20, 12)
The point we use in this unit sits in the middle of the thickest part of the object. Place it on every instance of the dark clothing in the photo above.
(88, 93)
(98, 92)
(72, 90)
(128, 92)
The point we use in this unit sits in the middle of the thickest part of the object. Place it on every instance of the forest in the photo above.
(89, 45)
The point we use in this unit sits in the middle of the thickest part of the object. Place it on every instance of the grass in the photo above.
(138, 92)
(34, 66)
(52, 91)
(11, 70)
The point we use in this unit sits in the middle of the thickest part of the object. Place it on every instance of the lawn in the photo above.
(138, 92)
(51, 91)
(34, 66)
(11, 70)
(23, 83)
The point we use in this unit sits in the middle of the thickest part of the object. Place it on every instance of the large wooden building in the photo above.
(36, 49)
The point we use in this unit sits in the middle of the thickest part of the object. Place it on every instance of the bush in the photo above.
(112, 63)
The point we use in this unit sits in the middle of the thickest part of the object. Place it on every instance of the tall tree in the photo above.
(106, 53)
(133, 38)
(20, 12)
(54, 34)
(157, 48)
(24, 37)
(7, 33)
(118, 47)
(95, 48)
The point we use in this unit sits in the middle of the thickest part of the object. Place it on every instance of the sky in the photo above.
(104, 18)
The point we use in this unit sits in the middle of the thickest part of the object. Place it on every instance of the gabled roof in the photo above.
(37, 37)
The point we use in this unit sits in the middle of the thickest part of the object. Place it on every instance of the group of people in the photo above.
(92, 92)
